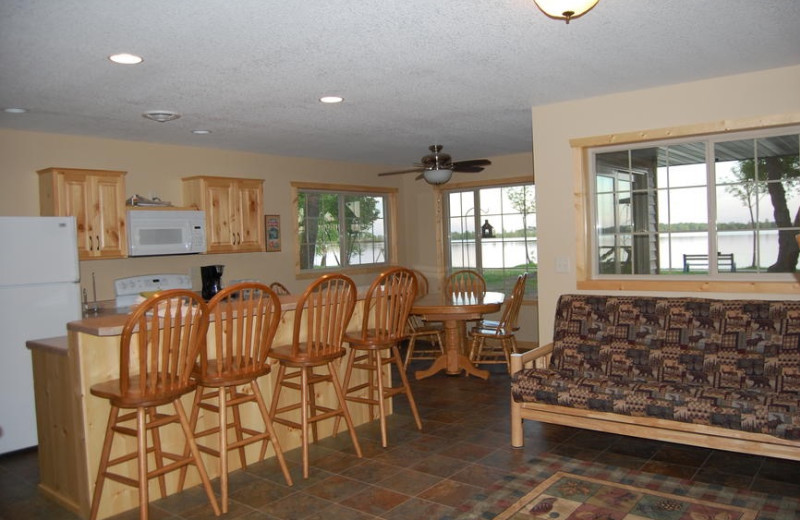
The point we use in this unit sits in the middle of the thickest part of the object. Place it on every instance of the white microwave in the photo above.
(166, 232)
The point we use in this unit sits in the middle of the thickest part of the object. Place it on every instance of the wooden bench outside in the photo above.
(725, 262)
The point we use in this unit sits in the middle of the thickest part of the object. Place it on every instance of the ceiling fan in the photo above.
(438, 167)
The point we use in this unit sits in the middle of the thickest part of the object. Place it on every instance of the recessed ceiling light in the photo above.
(201, 132)
(13, 110)
(331, 99)
(126, 59)
(162, 116)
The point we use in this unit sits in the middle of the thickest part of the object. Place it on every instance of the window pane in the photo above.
(341, 229)
(653, 206)
(364, 230)
(504, 244)
(757, 210)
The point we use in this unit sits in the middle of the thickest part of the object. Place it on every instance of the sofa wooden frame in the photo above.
(646, 427)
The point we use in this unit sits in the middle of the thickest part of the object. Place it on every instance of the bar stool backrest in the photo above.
(245, 317)
(323, 313)
(388, 303)
(465, 281)
(160, 342)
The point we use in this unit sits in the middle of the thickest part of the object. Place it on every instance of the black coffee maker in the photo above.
(212, 280)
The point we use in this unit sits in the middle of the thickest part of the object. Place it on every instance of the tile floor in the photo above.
(462, 451)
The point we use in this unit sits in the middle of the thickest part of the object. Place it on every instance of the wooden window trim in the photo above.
(580, 167)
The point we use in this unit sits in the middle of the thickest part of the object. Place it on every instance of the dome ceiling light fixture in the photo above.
(162, 116)
(565, 9)
(437, 177)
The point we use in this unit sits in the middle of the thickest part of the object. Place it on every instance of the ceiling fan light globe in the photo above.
(437, 176)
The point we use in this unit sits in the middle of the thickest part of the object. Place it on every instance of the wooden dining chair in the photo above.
(419, 328)
(465, 281)
(386, 307)
(243, 321)
(279, 288)
(321, 317)
(159, 346)
(493, 342)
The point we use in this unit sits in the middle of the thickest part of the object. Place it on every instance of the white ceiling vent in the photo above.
(162, 116)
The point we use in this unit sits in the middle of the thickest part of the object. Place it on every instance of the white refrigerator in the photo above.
(39, 294)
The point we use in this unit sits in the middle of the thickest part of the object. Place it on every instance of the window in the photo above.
(493, 230)
(725, 206)
(339, 229)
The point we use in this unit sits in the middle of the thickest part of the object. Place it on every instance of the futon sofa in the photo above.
(723, 374)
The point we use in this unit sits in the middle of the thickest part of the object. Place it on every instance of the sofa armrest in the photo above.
(530, 357)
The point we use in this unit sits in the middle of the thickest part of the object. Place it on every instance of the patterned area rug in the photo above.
(565, 496)
(501, 497)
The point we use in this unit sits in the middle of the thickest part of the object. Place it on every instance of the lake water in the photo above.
(497, 253)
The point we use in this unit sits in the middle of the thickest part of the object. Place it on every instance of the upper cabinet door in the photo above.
(234, 212)
(96, 198)
(251, 216)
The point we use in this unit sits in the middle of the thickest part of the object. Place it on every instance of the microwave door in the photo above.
(155, 239)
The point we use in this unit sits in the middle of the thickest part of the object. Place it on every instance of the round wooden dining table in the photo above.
(454, 310)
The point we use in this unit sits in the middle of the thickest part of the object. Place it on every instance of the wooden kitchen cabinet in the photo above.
(96, 198)
(234, 211)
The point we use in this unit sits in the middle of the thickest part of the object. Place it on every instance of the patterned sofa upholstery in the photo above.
(701, 370)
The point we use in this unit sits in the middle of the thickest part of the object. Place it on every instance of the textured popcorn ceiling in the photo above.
(463, 73)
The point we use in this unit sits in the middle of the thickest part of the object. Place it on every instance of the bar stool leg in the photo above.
(377, 363)
(343, 404)
(407, 388)
(223, 447)
(196, 455)
(104, 456)
(262, 406)
(141, 439)
(157, 452)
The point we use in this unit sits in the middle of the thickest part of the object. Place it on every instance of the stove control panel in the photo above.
(127, 290)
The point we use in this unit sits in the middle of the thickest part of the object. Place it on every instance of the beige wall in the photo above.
(156, 169)
(762, 94)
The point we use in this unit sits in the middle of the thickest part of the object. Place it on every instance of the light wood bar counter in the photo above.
(72, 422)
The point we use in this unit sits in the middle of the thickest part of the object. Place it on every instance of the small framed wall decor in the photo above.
(272, 228)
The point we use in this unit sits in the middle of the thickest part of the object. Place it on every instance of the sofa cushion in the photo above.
(729, 344)
(753, 410)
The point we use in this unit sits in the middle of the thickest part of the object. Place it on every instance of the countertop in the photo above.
(109, 320)
(51, 345)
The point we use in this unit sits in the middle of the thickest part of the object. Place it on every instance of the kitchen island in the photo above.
(71, 421)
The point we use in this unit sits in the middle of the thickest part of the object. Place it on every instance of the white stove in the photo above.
(127, 290)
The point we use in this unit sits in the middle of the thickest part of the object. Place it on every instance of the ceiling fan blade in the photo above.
(473, 162)
(400, 171)
(420, 176)
(467, 168)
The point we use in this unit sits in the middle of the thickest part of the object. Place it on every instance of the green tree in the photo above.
(322, 228)
(783, 172)
(523, 200)
(749, 190)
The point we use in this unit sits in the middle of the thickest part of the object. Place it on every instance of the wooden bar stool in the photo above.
(244, 318)
(419, 328)
(386, 308)
(493, 342)
(321, 317)
(159, 346)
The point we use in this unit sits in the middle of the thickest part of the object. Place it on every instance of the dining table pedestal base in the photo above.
(453, 361)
